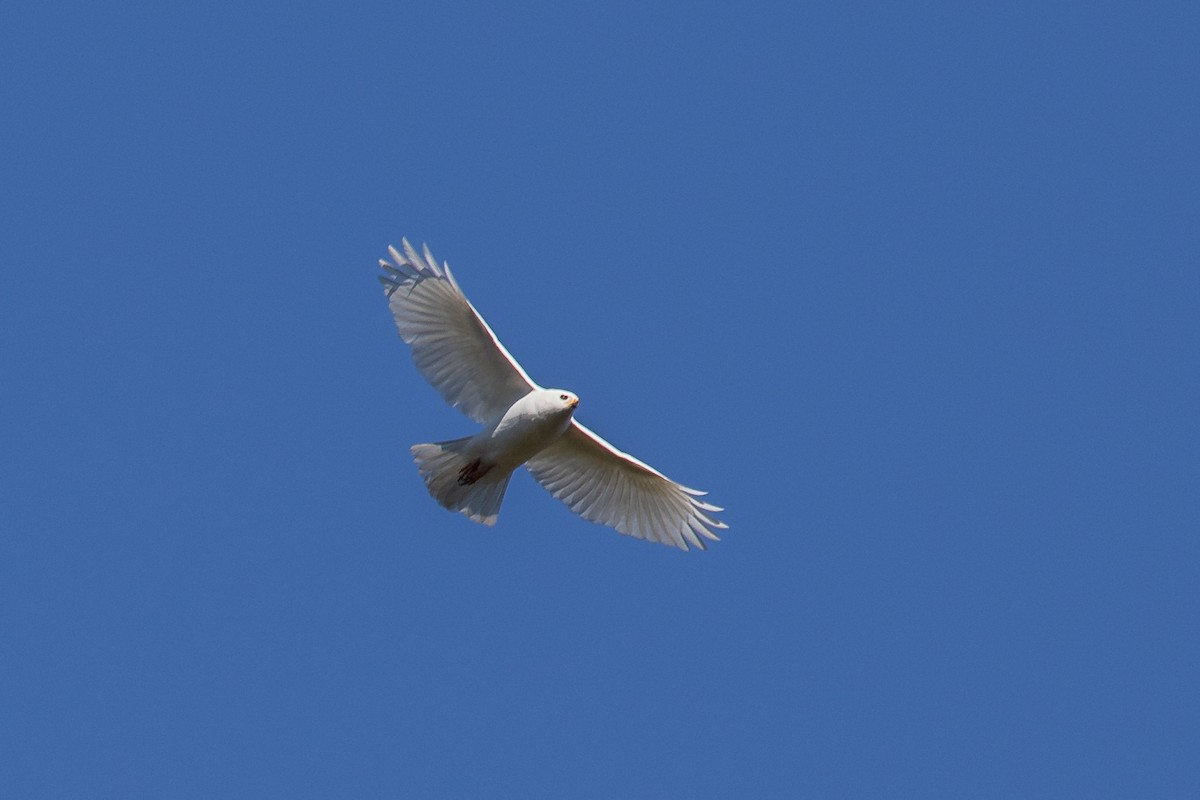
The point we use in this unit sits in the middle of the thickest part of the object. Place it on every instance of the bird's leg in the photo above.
(472, 472)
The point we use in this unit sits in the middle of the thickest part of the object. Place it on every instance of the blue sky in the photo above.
(913, 291)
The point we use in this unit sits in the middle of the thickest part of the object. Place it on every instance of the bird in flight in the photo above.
(522, 423)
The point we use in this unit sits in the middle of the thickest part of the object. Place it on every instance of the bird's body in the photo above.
(471, 474)
(522, 423)
(528, 427)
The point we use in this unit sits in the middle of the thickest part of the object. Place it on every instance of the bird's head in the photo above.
(561, 400)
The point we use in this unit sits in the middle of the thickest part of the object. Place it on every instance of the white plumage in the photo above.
(523, 423)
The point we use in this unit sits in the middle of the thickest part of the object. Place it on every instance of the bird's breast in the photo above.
(518, 437)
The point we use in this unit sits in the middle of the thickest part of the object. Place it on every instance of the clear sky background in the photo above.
(913, 291)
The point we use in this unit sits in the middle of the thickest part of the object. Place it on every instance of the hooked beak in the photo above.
(574, 404)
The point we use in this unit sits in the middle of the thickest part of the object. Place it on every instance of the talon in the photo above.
(472, 472)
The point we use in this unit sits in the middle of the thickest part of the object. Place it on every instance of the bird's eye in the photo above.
(562, 397)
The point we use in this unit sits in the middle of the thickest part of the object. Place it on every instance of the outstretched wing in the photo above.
(601, 484)
(453, 347)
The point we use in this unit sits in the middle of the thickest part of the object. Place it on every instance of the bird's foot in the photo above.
(472, 472)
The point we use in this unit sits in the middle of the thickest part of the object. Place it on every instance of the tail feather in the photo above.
(443, 463)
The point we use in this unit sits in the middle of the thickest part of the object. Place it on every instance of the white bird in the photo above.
(523, 423)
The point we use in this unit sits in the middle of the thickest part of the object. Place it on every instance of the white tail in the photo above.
(444, 464)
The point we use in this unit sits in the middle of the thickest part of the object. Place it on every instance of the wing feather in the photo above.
(603, 484)
(452, 345)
